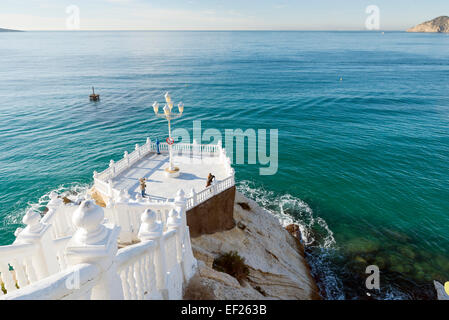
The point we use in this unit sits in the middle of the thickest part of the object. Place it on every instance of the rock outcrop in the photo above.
(440, 24)
(277, 267)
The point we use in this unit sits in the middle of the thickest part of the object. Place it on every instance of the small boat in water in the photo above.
(93, 96)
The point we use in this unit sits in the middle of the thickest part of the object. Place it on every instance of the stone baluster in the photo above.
(174, 222)
(36, 232)
(193, 197)
(121, 196)
(148, 144)
(60, 223)
(219, 148)
(195, 150)
(233, 176)
(181, 204)
(150, 229)
(110, 189)
(137, 148)
(112, 166)
(96, 243)
(126, 157)
(188, 261)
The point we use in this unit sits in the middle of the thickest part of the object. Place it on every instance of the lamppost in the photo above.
(171, 171)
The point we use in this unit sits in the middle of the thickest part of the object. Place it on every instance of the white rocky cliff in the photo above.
(275, 260)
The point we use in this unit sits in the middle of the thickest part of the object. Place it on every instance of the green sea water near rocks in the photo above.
(363, 121)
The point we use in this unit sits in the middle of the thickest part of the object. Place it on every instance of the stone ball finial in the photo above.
(111, 163)
(148, 217)
(55, 201)
(121, 196)
(125, 154)
(180, 197)
(148, 140)
(150, 228)
(137, 146)
(53, 195)
(95, 174)
(192, 192)
(88, 218)
(17, 232)
(173, 220)
(180, 194)
(32, 219)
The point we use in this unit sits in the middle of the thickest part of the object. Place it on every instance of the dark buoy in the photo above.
(93, 96)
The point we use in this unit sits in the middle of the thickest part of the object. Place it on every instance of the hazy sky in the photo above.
(216, 14)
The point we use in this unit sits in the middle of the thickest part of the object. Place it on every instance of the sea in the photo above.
(362, 120)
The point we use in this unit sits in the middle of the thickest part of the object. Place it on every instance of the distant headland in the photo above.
(440, 24)
(8, 30)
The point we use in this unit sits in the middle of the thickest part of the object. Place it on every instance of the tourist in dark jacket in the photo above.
(210, 178)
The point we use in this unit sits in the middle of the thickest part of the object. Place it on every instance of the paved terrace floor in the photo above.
(194, 171)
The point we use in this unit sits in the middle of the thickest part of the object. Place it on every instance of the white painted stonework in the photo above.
(72, 252)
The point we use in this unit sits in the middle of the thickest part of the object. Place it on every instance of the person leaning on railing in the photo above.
(210, 178)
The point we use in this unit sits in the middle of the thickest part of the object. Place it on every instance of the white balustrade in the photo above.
(135, 265)
(73, 283)
(22, 259)
(91, 267)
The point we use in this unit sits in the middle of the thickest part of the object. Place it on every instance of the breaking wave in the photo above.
(71, 191)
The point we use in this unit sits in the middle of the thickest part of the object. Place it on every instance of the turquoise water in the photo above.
(363, 162)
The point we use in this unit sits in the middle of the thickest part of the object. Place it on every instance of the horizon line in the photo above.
(215, 30)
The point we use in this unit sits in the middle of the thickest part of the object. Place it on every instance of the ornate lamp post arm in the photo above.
(169, 115)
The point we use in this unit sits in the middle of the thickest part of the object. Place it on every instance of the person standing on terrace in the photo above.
(210, 178)
(143, 186)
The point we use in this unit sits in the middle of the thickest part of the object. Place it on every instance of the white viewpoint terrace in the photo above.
(72, 252)
(121, 180)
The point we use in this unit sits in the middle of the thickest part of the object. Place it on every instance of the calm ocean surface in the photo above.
(363, 162)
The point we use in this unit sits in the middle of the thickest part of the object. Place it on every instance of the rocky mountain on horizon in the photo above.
(8, 30)
(440, 24)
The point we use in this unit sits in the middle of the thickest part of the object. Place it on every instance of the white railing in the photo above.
(56, 286)
(127, 216)
(156, 267)
(34, 255)
(136, 267)
(204, 195)
(22, 259)
(103, 180)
